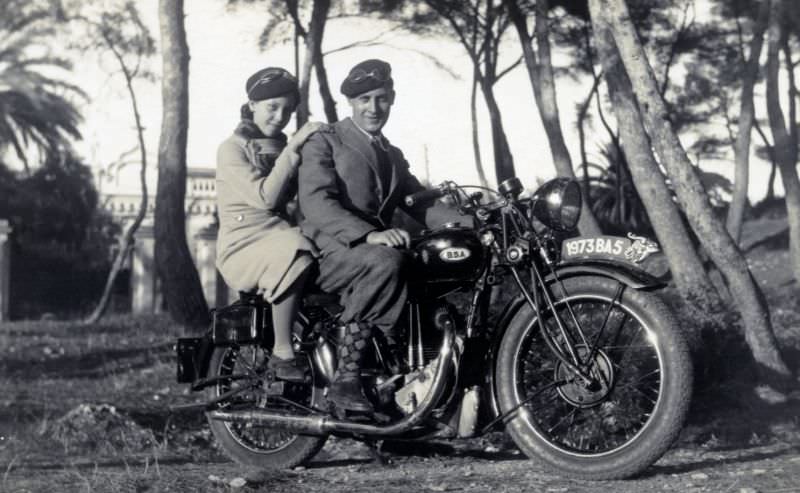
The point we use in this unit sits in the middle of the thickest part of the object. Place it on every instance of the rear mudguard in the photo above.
(624, 273)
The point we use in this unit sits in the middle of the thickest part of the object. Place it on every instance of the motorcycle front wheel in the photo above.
(247, 443)
(633, 407)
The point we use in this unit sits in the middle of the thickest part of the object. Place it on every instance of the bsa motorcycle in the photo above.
(583, 365)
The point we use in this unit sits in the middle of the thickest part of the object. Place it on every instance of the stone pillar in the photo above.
(143, 272)
(205, 258)
(5, 268)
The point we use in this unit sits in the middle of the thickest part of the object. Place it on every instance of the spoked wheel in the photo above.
(248, 389)
(633, 404)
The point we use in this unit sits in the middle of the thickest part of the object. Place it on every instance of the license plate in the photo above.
(633, 249)
(188, 350)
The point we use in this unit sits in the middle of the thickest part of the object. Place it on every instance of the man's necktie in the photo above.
(384, 164)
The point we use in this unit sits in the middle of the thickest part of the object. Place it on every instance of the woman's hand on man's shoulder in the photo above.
(302, 135)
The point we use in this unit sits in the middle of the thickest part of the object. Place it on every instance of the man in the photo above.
(351, 180)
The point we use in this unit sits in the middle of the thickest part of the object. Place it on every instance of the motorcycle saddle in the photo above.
(312, 297)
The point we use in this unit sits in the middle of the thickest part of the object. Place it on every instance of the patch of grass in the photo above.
(122, 362)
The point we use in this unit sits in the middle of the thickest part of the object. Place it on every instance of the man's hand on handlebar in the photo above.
(395, 237)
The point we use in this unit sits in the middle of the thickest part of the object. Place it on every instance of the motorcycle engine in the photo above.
(417, 385)
(424, 344)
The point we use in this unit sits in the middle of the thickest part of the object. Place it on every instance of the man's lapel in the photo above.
(358, 141)
(395, 161)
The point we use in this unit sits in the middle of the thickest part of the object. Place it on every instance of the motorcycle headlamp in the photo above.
(557, 204)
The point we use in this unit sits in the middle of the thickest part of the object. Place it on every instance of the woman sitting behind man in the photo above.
(257, 248)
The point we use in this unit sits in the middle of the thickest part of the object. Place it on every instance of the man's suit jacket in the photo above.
(340, 189)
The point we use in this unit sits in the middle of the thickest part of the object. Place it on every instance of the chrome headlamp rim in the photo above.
(557, 204)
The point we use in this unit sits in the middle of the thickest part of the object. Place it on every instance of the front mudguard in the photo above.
(625, 273)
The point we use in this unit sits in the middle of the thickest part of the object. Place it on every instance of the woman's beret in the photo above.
(271, 82)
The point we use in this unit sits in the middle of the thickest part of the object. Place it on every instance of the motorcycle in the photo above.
(584, 366)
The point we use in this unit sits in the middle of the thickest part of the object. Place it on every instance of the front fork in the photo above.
(566, 351)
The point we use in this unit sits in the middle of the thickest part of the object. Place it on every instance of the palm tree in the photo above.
(613, 197)
(35, 108)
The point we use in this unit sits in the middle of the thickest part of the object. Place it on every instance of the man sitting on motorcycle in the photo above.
(351, 180)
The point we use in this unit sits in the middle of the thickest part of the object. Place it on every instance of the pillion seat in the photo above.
(313, 297)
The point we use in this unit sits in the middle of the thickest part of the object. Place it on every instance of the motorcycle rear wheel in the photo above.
(623, 423)
(248, 444)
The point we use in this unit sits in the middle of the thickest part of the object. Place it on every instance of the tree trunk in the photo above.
(328, 103)
(126, 242)
(791, 96)
(180, 282)
(583, 110)
(786, 154)
(773, 161)
(687, 270)
(746, 116)
(503, 161)
(476, 145)
(304, 85)
(316, 31)
(540, 72)
(691, 194)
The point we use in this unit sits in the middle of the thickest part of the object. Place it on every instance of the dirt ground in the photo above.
(86, 408)
(767, 468)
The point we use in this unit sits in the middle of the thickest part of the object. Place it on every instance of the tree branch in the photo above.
(473, 54)
(673, 51)
(291, 6)
(374, 41)
(509, 68)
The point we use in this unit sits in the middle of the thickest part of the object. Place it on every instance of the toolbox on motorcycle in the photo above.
(238, 323)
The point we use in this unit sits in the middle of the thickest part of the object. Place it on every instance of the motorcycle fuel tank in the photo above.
(447, 254)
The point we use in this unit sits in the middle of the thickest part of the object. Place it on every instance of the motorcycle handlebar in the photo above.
(423, 196)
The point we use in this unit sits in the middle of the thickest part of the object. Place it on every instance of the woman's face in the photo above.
(272, 115)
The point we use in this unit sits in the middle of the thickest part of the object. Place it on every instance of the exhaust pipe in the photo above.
(323, 425)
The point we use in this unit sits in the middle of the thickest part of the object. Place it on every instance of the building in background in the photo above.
(120, 195)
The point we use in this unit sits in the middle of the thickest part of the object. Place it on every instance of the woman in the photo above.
(256, 176)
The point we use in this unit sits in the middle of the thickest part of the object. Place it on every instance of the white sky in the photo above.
(431, 114)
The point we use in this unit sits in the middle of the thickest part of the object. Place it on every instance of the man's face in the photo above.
(371, 109)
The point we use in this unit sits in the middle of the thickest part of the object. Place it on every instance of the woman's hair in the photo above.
(245, 113)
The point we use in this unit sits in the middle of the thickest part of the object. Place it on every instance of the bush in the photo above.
(61, 240)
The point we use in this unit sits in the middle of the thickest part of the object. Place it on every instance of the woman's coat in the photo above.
(256, 246)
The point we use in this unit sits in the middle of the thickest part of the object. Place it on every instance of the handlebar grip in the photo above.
(423, 196)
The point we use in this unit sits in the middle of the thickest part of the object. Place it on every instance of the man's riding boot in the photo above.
(346, 391)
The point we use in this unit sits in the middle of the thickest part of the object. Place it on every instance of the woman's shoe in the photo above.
(291, 370)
